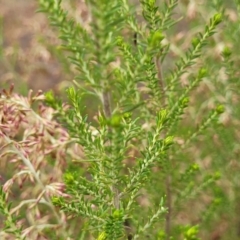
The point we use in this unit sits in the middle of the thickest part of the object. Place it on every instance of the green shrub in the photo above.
(157, 158)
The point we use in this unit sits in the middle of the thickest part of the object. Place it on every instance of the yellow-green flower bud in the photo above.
(217, 18)
(155, 39)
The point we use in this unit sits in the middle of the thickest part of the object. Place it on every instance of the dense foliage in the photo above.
(147, 144)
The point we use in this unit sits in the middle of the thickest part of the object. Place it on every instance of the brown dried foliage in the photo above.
(34, 150)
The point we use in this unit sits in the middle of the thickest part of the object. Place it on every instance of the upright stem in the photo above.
(169, 206)
(168, 177)
(107, 112)
(106, 104)
(160, 78)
